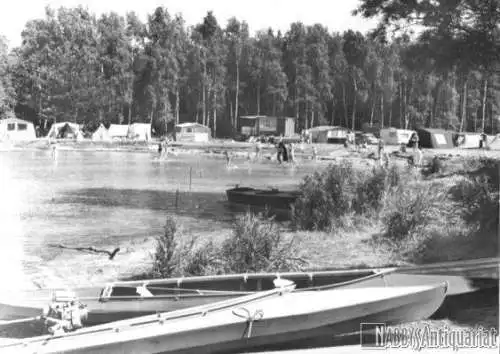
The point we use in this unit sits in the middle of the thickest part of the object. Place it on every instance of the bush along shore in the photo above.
(349, 217)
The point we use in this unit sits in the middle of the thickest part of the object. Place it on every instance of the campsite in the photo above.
(184, 182)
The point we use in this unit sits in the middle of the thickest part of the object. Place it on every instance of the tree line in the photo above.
(75, 66)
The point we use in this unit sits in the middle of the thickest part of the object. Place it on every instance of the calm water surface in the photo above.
(101, 198)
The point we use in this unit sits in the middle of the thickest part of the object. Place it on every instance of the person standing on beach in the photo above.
(54, 151)
(279, 149)
(291, 153)
(228, 159)
(314, 153)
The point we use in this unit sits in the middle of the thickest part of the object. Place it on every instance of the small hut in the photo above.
(192, 132)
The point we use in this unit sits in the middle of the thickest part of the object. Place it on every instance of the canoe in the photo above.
(273, 199)
(251, 321)
(126, 299)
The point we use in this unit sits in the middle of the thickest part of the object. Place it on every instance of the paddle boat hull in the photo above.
(252, 323)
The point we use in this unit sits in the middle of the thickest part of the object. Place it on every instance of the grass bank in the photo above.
(347, 216)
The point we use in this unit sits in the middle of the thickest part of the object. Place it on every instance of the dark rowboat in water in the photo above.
(272, 199)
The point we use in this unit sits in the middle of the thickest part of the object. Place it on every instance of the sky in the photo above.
(259, 14)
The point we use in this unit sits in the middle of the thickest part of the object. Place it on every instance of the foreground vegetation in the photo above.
(447, 211)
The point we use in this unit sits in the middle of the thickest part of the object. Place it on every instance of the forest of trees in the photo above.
(74, 66)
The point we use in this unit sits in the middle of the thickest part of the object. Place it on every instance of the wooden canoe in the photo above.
(250, 321)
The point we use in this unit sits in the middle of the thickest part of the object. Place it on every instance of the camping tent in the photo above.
(467, 140)
(140, 131)
(494, 142)
(65, 130)
(101, 134)
(435, 138)
(118, 131)
(393, 136)
(192, 132)
(16, 129)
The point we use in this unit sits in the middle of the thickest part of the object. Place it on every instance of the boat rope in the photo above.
(258, 315)
(21, 320)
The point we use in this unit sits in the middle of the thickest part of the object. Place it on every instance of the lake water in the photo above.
(102, 199)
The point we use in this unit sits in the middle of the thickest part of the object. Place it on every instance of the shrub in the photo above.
(203, 260)
(165, 257)
(410, 209)
(258, 245)
(325, 196)
(478, 199)
(370, 191)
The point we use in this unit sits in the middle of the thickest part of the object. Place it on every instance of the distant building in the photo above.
(192, 132)
(266, 125)
(16, 130)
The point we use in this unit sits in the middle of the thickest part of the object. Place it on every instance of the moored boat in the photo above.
(272, 199)
(250, 321)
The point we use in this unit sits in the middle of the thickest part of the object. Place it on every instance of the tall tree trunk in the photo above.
(274, 105)
(390, 113)
(372, 110)
(236, 98)
(204, 105)
(313, 115)
(464, 106)
(485, 93)
(204, 88)
(258, 99)
(354, 102)
(215, 113)
(233, 121)
(129, 111)
(152, 113)
(381, 110)
(401, 89)
(177, 105)
(332, 117)
(344, 103)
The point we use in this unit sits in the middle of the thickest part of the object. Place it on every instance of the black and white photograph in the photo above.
(229, 177)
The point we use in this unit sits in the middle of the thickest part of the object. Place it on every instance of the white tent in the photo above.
(101, 134)
(468, 140)
(139, 131)
(118, 131)
(393, 136)
(494, 142)
(16, 130)
(65, 130)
